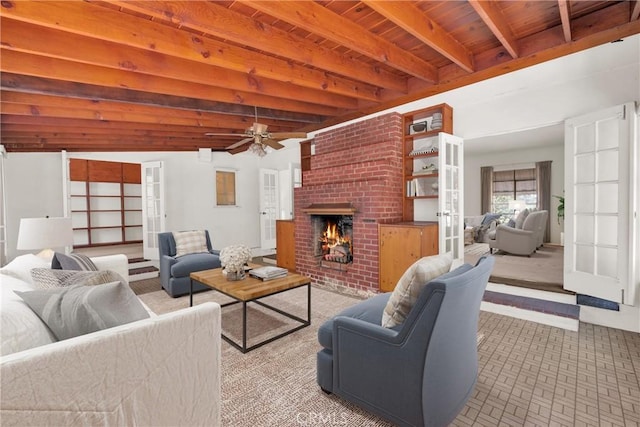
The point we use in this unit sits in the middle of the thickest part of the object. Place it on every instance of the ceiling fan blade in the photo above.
(285, 135)
(239, 143)
(272, 143)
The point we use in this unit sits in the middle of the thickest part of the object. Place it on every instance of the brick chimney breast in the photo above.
(359, 165)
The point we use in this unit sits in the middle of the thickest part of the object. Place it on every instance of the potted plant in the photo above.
(560, 215)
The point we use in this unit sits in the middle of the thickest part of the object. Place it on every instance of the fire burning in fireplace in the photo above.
(334, 238)
(335, 247)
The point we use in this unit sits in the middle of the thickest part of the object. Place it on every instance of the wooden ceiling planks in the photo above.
(111, 75)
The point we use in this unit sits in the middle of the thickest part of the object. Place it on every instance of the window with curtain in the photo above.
(517, 184)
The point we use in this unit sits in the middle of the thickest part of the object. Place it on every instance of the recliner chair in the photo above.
(522, 241)
(421, 372)
(174, 272)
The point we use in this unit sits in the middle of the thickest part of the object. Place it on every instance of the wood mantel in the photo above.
(330, 209)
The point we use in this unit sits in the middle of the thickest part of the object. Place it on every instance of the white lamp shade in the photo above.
(517, 205)
(44, 233)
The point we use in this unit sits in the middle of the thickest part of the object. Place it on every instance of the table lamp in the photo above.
(516, 206)
(44, 233)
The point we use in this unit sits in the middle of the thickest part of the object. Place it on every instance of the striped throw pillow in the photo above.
(72, 261)
(45, 278)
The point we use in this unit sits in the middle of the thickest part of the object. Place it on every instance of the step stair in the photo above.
(141, 269)
(548, 308)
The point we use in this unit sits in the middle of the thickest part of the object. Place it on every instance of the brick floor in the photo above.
(537, 375)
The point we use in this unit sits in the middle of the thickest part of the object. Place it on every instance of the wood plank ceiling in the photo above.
(156, 75)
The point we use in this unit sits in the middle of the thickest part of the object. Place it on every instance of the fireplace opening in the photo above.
(333, 238)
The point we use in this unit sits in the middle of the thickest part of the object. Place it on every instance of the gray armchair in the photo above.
(421, 372)
(522, 241)
(175, 271)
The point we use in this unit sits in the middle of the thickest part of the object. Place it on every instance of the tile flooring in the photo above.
(536, 375)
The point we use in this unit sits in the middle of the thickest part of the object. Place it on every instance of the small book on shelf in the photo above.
(268, 272)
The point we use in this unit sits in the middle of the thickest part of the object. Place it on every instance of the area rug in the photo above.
(275, 385)
(543, 270)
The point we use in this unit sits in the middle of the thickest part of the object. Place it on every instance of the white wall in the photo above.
(34, 189)
(472, 166)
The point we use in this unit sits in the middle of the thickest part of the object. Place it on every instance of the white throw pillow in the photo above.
(410, 284)
(190, 242)
(20, 328)
(521, 217)
(21, 266)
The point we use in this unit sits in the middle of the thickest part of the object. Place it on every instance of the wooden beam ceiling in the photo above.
(158, 75)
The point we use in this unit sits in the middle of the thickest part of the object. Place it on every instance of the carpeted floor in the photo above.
(543, 270)
(274, 384)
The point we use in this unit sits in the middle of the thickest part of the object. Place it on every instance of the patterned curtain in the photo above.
(486, 192)
(543, 189)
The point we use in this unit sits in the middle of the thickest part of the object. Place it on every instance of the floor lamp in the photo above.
(45, 233)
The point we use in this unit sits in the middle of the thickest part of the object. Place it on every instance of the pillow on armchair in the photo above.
(520, 218)
(406, 292)
(190, 242)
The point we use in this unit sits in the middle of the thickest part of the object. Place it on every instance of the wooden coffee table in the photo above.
(251, 289)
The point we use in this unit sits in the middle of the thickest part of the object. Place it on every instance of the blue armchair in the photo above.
(421, 372)
(175, 271)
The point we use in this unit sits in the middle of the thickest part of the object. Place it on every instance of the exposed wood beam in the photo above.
(50, 123)
(87, 19)
(108, 146)
(100, 114)
(565, 17)
(216, 20)
(22, 63)
(110, 55)
(537, 48)
(317, 19)
(37, 100)
(414, 21)
(490, 13)
(30, 84)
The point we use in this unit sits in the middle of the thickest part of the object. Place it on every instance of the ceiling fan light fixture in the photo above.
(257, 149)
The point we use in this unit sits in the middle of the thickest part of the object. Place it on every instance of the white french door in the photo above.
(268, 207)
(598, 166)
(153, 210)
(451, 196)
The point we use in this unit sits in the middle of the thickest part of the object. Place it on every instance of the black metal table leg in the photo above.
(190, 292)
(244, 326)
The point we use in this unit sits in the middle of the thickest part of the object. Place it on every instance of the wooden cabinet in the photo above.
(420, 154)
(401, 244)
(285, 244)
(106, 202)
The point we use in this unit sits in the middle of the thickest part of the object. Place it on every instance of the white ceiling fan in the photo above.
(260, 137)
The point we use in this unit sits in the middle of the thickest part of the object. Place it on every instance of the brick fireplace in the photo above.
(357, 167)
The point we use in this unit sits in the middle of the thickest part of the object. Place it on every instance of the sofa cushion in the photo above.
(369, 310)
(406, 292)
(190, 242)
(21, 266)
(77, 310)
(521, 217)
(194, 262)
(72, 261)
(45, 278)
(20, 328)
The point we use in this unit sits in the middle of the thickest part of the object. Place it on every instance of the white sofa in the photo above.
(159, 371)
